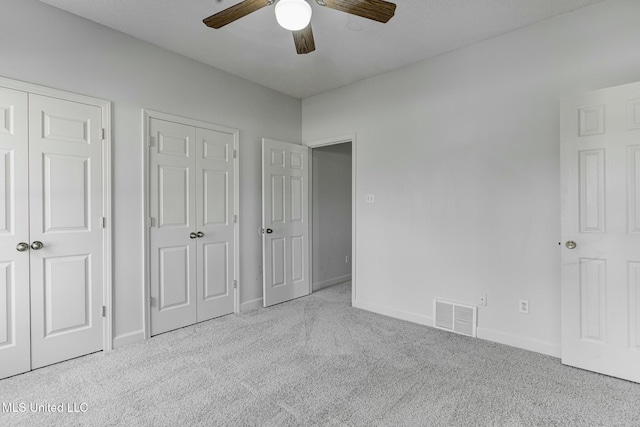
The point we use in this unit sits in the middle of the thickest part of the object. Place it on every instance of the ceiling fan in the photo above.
(295, 15)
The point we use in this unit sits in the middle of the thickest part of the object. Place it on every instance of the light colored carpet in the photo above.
(318, 361)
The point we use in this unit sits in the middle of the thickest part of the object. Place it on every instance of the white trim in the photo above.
(352, 138)
(254, 304)
(108, 230)
(539, 346)
(107, 234)
(129, 338)
(146, 116)
(392, 312)
(331, 282)
(146, 273)
(236, 225)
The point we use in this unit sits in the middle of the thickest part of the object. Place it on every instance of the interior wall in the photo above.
(331, 178)
(462, 154)
(46, 46)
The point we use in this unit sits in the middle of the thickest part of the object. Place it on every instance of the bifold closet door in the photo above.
(215, 222)
(66, 235)
(192, 242)
(50, 231)
(173, 235)
(15, 355)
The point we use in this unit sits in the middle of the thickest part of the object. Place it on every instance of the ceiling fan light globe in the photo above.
(293, 15)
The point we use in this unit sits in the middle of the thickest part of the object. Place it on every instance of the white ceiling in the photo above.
(348, 48)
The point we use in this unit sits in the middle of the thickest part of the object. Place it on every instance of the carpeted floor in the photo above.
(318, 361)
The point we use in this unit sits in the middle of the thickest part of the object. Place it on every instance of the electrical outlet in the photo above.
(483, 300)
(347, 259)
(524, 306)
(370, 198)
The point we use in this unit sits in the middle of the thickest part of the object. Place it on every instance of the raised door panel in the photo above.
(67, 294)
(14, 223)
(66, 193)
(65, 146)
(593, 299)
(633, 187)
(215, 168)
(634, 305)
(592, 191)
(216, 273)
(175, 277)
(172, 205)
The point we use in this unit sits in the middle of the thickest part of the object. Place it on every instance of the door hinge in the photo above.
(235, 153)
(152, 141)
(152, 301)
(235, 284)
(103, 134)
(151, 222)
(104, 311)
(103, 222)
(235, 218)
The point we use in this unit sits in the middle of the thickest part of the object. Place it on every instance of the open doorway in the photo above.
(332, 215)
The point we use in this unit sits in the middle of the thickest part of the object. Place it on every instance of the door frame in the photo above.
(147, 115)
(107, 213)
(323, 143)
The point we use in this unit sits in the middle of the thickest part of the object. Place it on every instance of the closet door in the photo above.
(173, 234)
(65, 185)
(14, 234)
(215, 219)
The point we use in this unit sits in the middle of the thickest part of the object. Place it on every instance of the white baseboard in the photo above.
(398, 314)
(539, 346)
(130, 338)
(251, 305)
(331, 282)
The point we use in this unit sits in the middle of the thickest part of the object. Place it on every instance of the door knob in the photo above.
(193, 235)
(36, 246)
(22, 246)
(200, 234)
(269, 231)
(570, 244)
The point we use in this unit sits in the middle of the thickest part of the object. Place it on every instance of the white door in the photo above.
(215, 223)
(15, 355)
(65, 185)
(173, 234)
(600, 155)
(285, 221)
(192, 241)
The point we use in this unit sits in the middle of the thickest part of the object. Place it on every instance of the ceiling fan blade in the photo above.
(235, 12)
(378, 10)
(303, 40)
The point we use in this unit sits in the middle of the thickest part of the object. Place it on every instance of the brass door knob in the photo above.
(570, 244)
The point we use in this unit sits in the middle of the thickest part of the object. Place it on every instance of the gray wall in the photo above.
(331, 214)
(462, 153)
(47, 46)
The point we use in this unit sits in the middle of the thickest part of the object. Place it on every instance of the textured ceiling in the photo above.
(349, 48)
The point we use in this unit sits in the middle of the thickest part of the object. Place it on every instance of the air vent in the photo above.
(454, 317)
